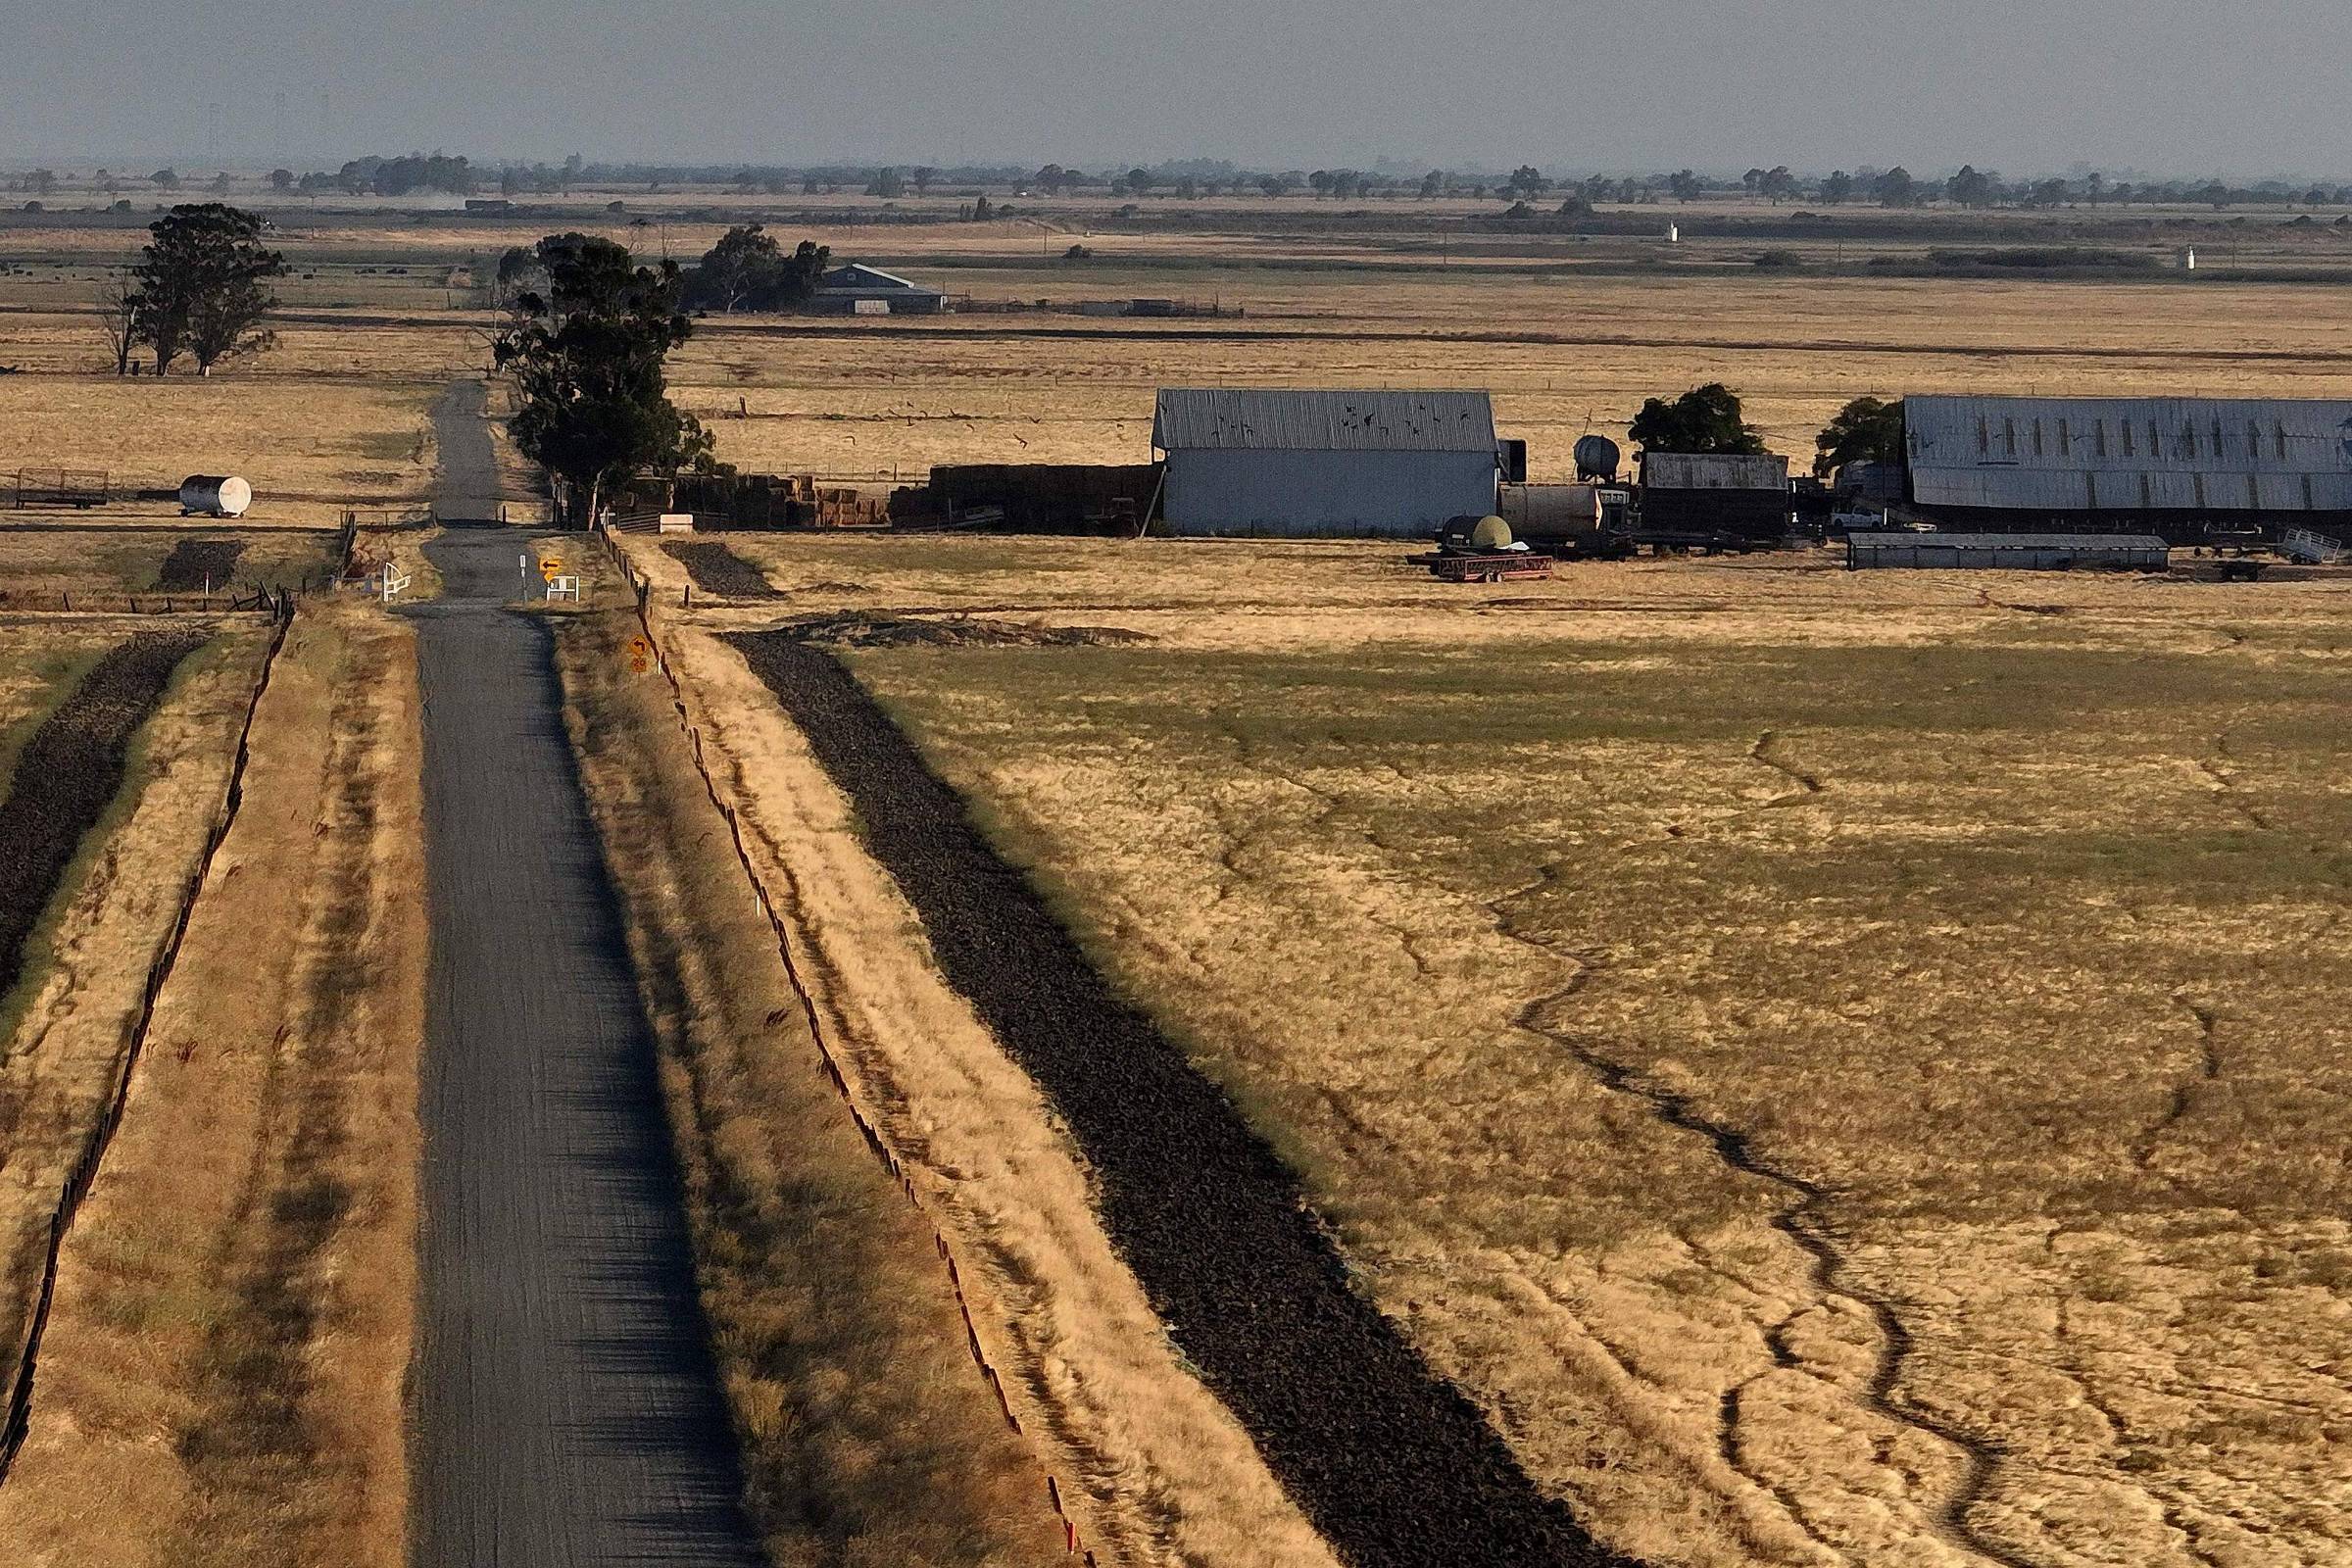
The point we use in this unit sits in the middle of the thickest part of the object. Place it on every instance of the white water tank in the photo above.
(210, 495)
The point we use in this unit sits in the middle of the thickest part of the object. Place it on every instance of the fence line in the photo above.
(261, 600)
(101, 1137)
(875, 1143)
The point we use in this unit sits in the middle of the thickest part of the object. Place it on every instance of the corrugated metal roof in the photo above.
(2211, 454)
(2008, 541)
(1712, 470)
(859, 275)
(1191, 419)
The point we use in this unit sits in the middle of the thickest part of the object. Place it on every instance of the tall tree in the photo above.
(1527, 180)
(1703, 420)
(1970, 187)
(1778, 184)
(586, 355)
(118, 305)
(1684, 185)
(1839, 188)
(1865, 431)
(203, 285)
(1895, 188)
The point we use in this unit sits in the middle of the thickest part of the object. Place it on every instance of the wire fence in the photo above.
(101, 1136)
(772, 910)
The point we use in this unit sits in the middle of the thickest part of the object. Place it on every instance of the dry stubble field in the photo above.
(1991, 944)
(1842, 1067)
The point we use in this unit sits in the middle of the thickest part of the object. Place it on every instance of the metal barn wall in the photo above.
(1303, 493)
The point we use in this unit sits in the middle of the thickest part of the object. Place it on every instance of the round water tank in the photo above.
(1491, 534)
(212, 495)
(1597, 455)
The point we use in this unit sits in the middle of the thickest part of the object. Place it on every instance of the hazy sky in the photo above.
(2166, 86)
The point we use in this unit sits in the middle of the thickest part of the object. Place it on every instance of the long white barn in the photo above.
(2011, 462)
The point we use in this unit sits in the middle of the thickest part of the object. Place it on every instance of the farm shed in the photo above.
(845, 289)
(1307, 463)
(1715, 492)
(2006, 552)
(2171, 466)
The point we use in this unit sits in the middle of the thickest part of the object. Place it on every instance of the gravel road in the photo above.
(566, 1408)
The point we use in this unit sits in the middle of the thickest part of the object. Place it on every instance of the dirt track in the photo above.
(720, 571)
(68, 772)
(566, 1408)
(1394, 1466)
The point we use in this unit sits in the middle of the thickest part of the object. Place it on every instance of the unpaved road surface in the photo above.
(567, 1410)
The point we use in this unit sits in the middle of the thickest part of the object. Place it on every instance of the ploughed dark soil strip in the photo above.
(66, 775)
(1394, 1465)
(719, 570)
(195, 564)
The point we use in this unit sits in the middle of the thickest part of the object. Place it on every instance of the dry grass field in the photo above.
(1844, 1067)
(870, 1435)
(1841, 1068)
(220, 1382)
(87, 960)
(894, 400)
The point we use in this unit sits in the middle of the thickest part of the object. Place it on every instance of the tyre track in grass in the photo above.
(1392, 1464)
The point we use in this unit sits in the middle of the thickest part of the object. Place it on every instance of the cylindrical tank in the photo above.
(1597, 456)
(1550, 513)
(211, 494)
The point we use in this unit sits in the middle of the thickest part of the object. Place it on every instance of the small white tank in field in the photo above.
(213, 496)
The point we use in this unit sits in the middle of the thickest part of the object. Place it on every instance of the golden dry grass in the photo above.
(2033, 985)
(86, 965)
(221, 1378)
(68, 558)
(310, 448)
(868, 1433)
(1796, 349)
(1153, 1468)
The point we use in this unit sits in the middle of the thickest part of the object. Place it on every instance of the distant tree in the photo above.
(1052, 178)
(1599, 188)
(2218, 195)
(119, 303)
(2049, 193)
(1703, 420)
(1320, 182)
(2094, 187)
(587, 356)
(1139, 183)
(203, 285)
(1684, 185)
(42, 183)
(888, 183)
(109, 181)
(982, 211)
(281, 180)
(1839, 188)
(1576, 207)
(2316, 196)
(1527, 180)
(1433, 184)
(221, 184)
(1188, 190)
(748, 269)
(924, 179)
(1776, 186)
(1274, 185)
(1895, 188)
(1970, 187)
(165, 179)
(1752, 182)
(1865, 431)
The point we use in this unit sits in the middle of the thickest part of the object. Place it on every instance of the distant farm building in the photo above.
(860, 290)
(2183, 469)
(2006, 552)
(1307, 463)
(1715, 494)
